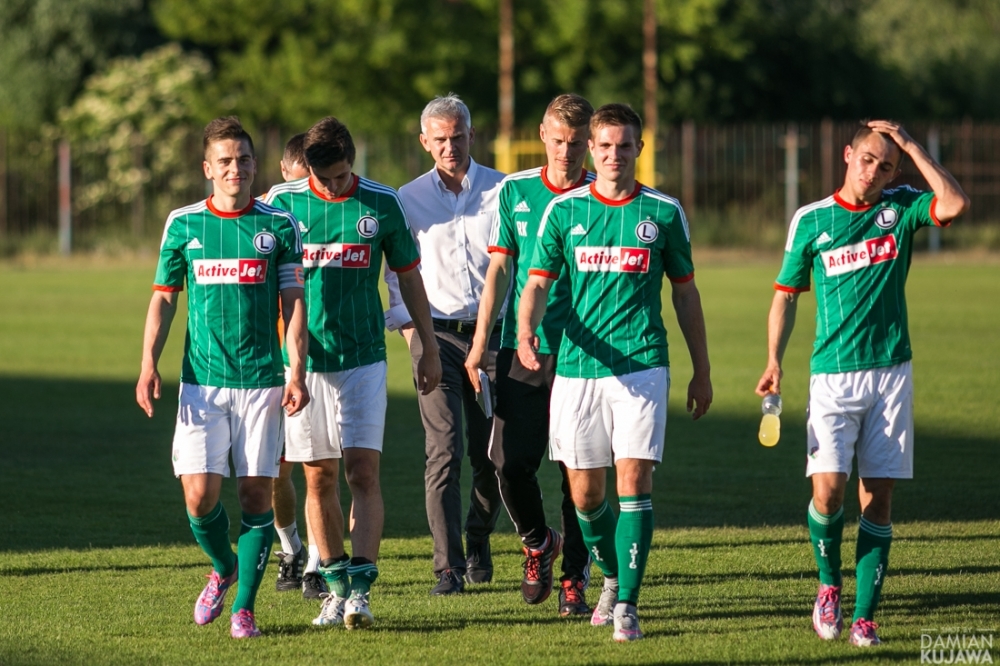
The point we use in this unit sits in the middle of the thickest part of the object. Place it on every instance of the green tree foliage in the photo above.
(137, 118)
(49, 47)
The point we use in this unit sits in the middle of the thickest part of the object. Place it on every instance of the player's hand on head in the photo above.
(699, 397)
(894, 130)
(147, 389)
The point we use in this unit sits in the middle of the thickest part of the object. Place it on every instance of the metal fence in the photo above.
(740, 181)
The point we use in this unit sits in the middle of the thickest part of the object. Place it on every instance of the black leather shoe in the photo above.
(479, 564)
(448, 583)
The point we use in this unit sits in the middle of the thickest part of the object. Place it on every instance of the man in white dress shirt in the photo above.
(450, 210)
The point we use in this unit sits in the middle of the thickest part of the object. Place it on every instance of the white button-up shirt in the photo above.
(452, 233)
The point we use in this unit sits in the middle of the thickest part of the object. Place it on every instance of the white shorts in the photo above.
(212, 422)
(869, 412)
(346, 410)
(594, 422)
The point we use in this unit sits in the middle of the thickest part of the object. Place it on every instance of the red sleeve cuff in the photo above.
(161, 287)
(790, 290)
(545, 274)
(934, 217)
(683, 278)
(502, 250)
(408, 267)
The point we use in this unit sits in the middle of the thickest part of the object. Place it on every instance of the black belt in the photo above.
(463, 327)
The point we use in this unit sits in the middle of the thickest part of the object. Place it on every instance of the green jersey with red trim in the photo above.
(615, 254)
(523, 198)
(234, 264)
(344, 239)
(859, 257)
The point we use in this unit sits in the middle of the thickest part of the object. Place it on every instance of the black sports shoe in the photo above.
(479, 563)
(449, 582)
(290, 570)
(571, 598)
(313, 586)
(536, 586)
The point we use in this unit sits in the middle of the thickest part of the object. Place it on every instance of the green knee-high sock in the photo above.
(363, 573)
(873, 562)
(334, 572)
(826, 534)
(212, 534)
(632, 540)
(253, 548)
(598, 527)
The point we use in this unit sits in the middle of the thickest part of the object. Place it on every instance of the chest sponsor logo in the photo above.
(522, 228)
(265, 242)
(230, 271)
(860, 255)
(886, 218)
(337, 255)
(612, 259)
(646, 232)
(367, 226)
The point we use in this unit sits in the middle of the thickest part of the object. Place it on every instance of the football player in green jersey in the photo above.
(291, 558)
(615, 240)
(238, 257)
(521, 418)
(857, 245)
(348, 224)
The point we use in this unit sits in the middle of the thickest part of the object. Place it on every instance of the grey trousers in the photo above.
(442, 412)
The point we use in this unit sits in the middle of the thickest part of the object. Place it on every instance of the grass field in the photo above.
(97, 564)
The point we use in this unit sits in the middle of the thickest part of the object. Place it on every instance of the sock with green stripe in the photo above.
(826, 534)
(598, 527)
(363, 573)
(873, 562)
(632, 540)
(212, 534)
(253, 548)
(334, 572)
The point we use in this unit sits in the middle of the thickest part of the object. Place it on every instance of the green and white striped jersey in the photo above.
(859, 257)
(524, 196)
(615, 254)
(234, 264)
(344, 240)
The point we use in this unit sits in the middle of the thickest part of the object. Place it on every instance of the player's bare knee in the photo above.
(363, 478)
(255, 494)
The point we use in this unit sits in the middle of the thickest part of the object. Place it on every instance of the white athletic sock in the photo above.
(290, 541)
(313, 565)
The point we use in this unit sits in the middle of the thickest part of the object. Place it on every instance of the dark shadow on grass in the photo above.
(81, 466)
(130, 568)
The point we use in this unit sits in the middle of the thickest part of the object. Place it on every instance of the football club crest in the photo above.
(264, 242)
(646, 232)
(368, 226)
(886, 218)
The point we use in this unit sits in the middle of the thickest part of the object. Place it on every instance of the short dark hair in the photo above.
(222, 129)
(865, 131)
(616, 115)
(295, 150)
(571, 110)
(328, 142)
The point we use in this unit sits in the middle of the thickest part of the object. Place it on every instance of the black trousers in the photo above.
(442, 415)
(520, 441)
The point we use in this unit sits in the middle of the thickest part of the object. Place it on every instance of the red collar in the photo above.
(559, 190)
(343, 197)
(612, 202)
(849, 206)
(222, 213)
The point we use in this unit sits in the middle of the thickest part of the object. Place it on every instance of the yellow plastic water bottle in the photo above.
(770, 424)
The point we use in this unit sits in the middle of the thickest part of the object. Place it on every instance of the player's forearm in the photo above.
(691, 318)
(951, 199)
(159, 316)
(414, 297)
(531, 309)
(780, 322)
(293, 310)
(494, 293)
